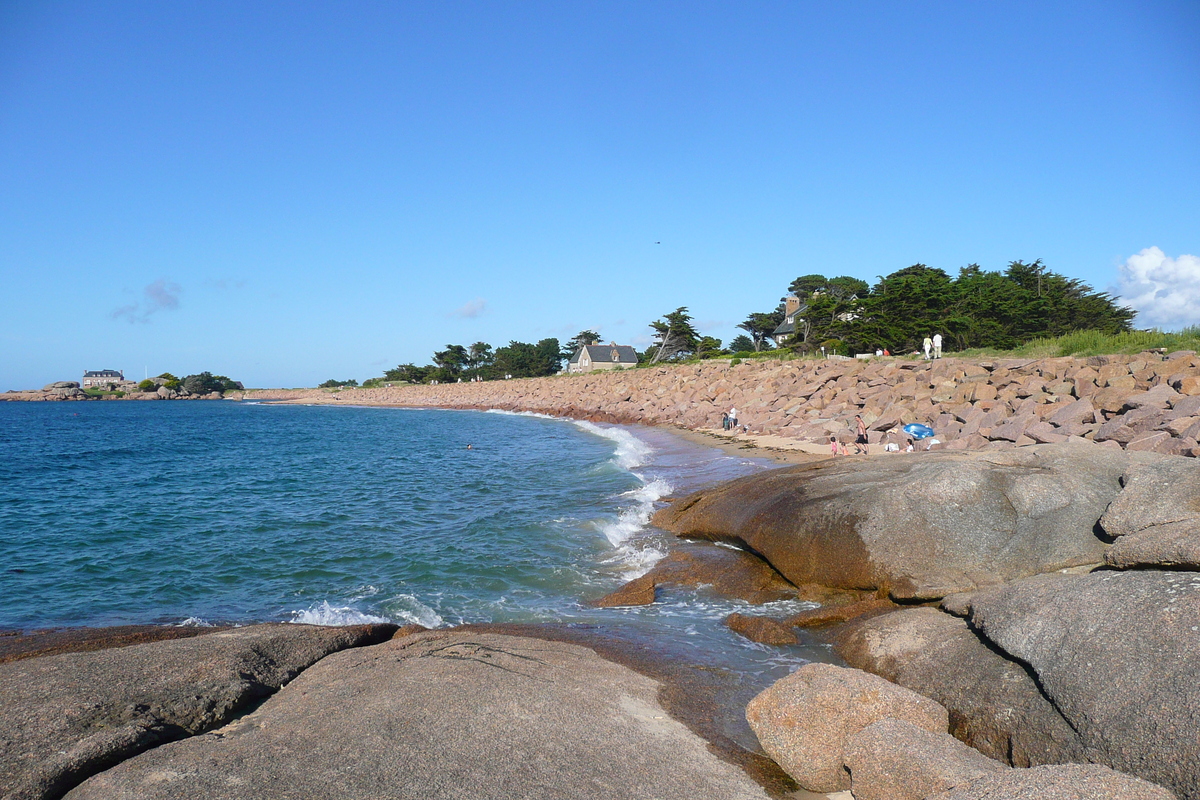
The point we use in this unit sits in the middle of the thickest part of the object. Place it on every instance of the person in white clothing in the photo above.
(927, 345)
(937, 345)
(733, 418)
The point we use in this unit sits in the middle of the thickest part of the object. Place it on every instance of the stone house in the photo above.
(592, 357)
(101, 377)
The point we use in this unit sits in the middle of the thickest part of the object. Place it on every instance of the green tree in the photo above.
(675, 336)
(147, 386)
(805, 285)
(707, 347)
(902, 309)
(577, 342)
(761, 326)
(450, 363)
(524, 360)
(409, 373)
(479, 360)
(741, 344)
(202, 383)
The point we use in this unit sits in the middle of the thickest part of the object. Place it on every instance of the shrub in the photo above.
(147, 385)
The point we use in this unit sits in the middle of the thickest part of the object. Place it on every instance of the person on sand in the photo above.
(724, 420)
(910, 447)
(861, 445)
(833, 445)
(927, 346)
(733, 418)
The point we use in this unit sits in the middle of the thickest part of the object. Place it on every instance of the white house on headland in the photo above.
(592, 357)
(101, 377)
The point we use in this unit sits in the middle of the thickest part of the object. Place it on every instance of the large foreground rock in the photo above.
(1117, 654)
(920, 525)
(804, 721)
(442, 714)
(68, 716)
(895, 760)
(995, 705)
(1156, 518)
(1065, 782)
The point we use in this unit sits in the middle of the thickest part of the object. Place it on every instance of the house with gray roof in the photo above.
(101, 377)
(592, 357)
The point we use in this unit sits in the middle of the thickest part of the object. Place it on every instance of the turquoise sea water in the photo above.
(220, 512)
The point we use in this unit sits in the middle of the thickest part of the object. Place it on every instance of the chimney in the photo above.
(792, 305)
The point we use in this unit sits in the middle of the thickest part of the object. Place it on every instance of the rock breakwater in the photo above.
(1146, 402)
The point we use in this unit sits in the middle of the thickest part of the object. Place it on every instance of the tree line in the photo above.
(976, 309)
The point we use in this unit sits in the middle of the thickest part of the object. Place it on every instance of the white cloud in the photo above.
(162, 295)
(472, 309)
(1164, 291)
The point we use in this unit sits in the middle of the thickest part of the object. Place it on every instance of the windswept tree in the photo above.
(674, 335)
(761, 326)
(708, 346)
(450, 362)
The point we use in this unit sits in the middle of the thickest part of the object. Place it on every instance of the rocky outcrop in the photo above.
(920, 526)
(805, 720)
(1115, 652)
(994, 702)
(60, 385)
(443, 714)
(1156, 518)
(730, 573)
(69, 716)
(896, 760)
(1065, 782)
(761, 629)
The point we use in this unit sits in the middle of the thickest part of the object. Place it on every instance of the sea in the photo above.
(231, 513)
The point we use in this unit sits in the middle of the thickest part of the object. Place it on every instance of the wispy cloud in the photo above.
(162, 295)
(1164, 291)
(471, 310)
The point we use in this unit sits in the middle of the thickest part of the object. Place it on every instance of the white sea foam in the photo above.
(631, 451)
(325, 614)
(519, 413)
(635, 552)
(407, 608)
(194, 622)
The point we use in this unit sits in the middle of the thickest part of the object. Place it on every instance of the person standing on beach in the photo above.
(927, 345)
(733, 417)
(725, 420)
(861, 445)
(937, 345)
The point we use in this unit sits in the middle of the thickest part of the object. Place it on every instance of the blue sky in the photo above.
(289, 192)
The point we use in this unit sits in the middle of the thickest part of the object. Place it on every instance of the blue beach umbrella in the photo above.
(918, 431)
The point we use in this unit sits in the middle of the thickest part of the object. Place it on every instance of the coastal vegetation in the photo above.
(1024, 310)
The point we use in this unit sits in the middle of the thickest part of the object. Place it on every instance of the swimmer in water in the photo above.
(469, 447)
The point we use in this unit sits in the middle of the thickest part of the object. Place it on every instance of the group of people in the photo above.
(729, 420)
(932, 347)
(861, 445)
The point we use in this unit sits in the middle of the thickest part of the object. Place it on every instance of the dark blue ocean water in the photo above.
(222, 512)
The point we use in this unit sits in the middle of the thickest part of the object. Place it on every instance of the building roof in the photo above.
(603, 354)
(102, 373)
(788, 327)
